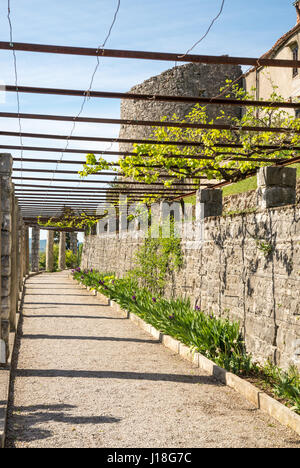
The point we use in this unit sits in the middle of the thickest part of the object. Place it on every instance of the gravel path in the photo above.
(85, 377)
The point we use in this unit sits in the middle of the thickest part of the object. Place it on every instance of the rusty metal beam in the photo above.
(147, 123)
(153, 97)
(132, 54)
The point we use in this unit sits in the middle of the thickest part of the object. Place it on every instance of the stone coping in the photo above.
(254, 395)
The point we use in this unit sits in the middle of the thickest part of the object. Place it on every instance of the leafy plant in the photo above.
(217, 338)
(157, 259)
(265, 247)
(219, 162)
(69, 219)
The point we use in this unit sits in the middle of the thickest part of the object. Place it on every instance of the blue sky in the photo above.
(244, 29)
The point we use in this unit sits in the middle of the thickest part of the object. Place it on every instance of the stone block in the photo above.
(276, 176)
(156, 334)
(270, 197)
(5, 265)
(6, 164)
(5, 286)
(211, 201)
(186, 352)
(276, 186)
(5, 243)
(5, 327)
(6, 221)
(171, 343)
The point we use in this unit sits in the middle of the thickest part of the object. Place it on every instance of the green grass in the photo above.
(248, 184)
(240, 187)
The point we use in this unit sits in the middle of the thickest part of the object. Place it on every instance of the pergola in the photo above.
(45, 196)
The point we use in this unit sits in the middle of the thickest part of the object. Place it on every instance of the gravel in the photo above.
(84, 377)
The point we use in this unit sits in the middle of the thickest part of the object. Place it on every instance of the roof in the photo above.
(282, 40)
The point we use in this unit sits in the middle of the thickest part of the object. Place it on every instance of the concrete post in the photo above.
(20, 259)
(35, 249)
(62, 251)
(276, 186)
(49, 251)
(14, 268)
(6, 162)
(123, 221)
(211, 201)
(73, 242)
(26, 249)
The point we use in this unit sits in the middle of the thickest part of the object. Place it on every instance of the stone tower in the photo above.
(187, 80)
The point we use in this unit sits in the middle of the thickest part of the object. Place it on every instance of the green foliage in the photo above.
(42, 261)
(72, 260)
(284, 384)
(157, 259)
(217, 338)
(69, 219)
(217, 158)
(265, 247)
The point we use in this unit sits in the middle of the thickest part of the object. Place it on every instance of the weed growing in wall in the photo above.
(157, 259)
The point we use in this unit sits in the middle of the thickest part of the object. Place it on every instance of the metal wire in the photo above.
(16, 81)
(208, 30)
(87, 96)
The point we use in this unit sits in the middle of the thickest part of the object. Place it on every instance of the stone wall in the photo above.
(232, 274)
(247, 200)
(13, 256)
(186, 80)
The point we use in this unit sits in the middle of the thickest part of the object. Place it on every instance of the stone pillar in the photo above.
(49, 251)
(6, 162)
(14, 267)
(26, 250)
(62, 251)
(123, 220)
(21, 246)
(73, 242)
(276, 186)
(112, 227)
(35, 249)
(211, 201)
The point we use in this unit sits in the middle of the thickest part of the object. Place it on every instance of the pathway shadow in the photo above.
(94, 317)
(64, 304)
(60, 294)
(86, 338)
(24, 420)
(89, 374)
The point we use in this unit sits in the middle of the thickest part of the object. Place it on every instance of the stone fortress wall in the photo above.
(186, 80)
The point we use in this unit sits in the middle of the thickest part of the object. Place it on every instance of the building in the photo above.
(286, 79)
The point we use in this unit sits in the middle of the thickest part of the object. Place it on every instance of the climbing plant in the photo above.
(69, 219)
(156, 259)
(221, 164)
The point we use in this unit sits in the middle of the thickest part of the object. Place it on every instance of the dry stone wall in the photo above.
(14, 255)
(232, 275)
